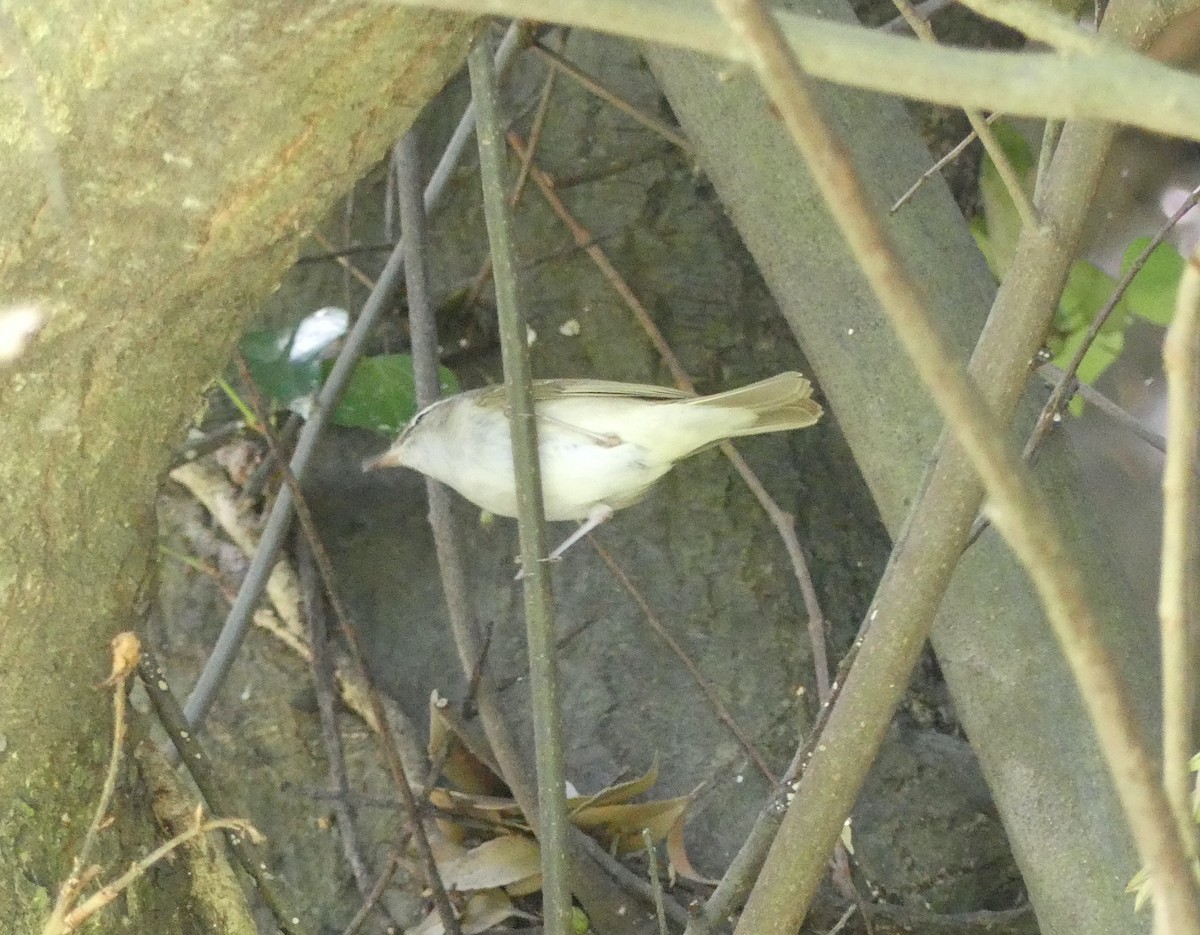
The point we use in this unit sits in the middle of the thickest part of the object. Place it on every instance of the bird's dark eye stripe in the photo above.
(419, 418)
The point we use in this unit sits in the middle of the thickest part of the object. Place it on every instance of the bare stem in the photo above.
(1063, 391)
(981, 125)
(391, 753)
(1175, 604)
(545, 691)
(125, 652)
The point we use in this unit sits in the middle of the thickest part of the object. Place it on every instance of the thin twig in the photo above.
(257, 481)
(1176, 605)
(233, 631)
(545, 689)
(927, 9)
(705, 686)
(1017, 507)
(513, 37)
(125, 651)
(1004, 167)
(200, 444)
(343, 260)
(536, 126)
(196, 761)
(567, 67)
(438, 760)
(841, 923)
(628, 880)
(374, 895)
(585, 240)
(1050, 134)
(386, 741)
(938, 166)
(785, 526)
(1054, 375)
(353, 250)
(111, 891)
(1040, 23)
(348, 269)
(322, 676)
(783, 522)
(655, 882)
(1062, 392)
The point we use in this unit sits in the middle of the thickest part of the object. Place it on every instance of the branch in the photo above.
(981, 126)
(545, 690)
(1118, 86)
(1017, 507)
(1175, 603)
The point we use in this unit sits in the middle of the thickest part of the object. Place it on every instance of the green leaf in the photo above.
(1151, 295)
(1104, 350)
(1087, 290)
(282, 380)
(381, 394)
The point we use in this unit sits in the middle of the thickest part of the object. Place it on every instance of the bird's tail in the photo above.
(781, 403)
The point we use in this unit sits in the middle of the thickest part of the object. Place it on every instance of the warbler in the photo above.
(602, 445)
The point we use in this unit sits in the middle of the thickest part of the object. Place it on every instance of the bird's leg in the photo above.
(598, 514)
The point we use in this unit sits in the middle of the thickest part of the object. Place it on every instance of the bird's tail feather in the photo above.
(781, 402)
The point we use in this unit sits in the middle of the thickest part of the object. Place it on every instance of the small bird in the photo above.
(602, 445)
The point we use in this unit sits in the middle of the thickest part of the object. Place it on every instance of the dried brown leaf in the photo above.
(678, 856)
(620, 826)
(468, 764)
(620, 792)
(502, 861)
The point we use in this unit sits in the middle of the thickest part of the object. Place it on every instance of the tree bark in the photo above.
(162, 164)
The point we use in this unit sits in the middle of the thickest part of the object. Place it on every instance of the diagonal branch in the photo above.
(1017, 510)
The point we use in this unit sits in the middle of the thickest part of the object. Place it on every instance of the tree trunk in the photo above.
(162, 164)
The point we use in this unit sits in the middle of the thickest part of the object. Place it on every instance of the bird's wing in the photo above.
(549, 389)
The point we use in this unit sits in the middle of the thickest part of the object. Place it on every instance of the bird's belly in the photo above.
(579, 474)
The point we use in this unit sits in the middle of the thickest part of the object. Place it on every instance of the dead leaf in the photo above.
(531, 884)
(468, 764)
(508, 859)
(680, 863)
(621, 792)
(488, 909)
(482, 912)
(491, 810)
(620, 826)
